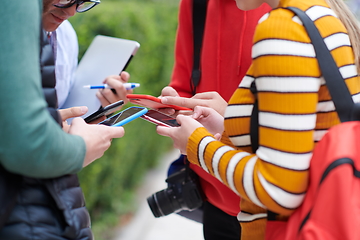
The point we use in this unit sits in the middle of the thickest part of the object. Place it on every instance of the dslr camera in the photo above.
(183, 193)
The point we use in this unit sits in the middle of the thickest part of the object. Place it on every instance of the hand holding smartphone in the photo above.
(159, 118)
(103, 111)
(152, 102)
(124, 116)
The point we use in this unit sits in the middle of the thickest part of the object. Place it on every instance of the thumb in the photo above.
(72, 112)
(115, 132)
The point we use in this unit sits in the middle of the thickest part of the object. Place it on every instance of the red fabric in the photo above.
(335, 203)
(225, 58)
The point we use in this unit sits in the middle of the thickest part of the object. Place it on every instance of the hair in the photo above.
(351, 24)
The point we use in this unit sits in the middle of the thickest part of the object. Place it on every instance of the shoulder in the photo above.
(66, 33)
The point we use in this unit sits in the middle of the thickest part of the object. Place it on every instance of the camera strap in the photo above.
(198, 20)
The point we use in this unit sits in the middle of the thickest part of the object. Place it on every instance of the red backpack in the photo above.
(331, 208)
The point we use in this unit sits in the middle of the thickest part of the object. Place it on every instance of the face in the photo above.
(247, 5)
(52, 16)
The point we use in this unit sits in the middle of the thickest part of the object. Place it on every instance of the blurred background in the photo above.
(110, 183)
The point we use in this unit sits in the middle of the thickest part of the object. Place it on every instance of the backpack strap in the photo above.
(334, 81)
(199, 16)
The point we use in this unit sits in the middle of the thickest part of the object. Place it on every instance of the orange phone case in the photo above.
(151, 102)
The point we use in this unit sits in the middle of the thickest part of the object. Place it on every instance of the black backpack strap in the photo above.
(334, 81)
(199, 16)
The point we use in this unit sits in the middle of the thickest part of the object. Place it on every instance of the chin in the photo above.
(247, 5)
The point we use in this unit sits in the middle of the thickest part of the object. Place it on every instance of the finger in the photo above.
(72, 112)
(115, 132)
(125, 76)
(180, 101)
(206, 95)
(169, 91)
(217, 136)
(163, 131)
(104, 102)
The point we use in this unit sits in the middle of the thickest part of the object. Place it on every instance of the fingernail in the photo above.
(83, 109)
(164, 99)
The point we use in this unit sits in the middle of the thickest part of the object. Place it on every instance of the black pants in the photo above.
(218, 225)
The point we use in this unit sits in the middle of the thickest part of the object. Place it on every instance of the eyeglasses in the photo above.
(81, 6)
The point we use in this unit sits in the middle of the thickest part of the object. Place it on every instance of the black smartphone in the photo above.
(103, 111)
(125, 116)
(159, 118)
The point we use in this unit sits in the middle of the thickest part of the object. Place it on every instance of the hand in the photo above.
(207, 99)
(210, 119)
(97, 137)
(107, 96)
(180, 135)
(71, 113)
(168, 91)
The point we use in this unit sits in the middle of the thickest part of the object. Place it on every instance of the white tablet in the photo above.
(105, 56)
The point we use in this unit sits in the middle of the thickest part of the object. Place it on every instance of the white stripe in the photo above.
(348, 71)
(356, 98)
(337, 40)
(297, 20)
(319, 134)
(282, 47)
(288, 84)
(245, 217)
(231, 169)
(292, 161)
(246, 82)
(202, 145)
(239, 141)
(263, 18)
(280, 196)
(317, 12)
(238, 111)
(248, 181)
(327, 106)
(216, 159)
(287, 122)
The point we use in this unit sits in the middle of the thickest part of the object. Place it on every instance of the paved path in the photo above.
(144, 226)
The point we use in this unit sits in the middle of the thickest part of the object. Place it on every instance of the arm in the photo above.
(32, 143)
(287, 123)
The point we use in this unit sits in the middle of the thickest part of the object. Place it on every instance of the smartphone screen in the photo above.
(159, 118)
(103, 111)
(125, 116)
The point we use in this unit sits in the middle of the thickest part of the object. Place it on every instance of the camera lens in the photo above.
(163, 203)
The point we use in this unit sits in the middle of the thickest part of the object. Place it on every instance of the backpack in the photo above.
(331, 207)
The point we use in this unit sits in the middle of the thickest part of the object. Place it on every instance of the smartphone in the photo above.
(151, 102)
(103, 111)
(124, 116)
(160, 119)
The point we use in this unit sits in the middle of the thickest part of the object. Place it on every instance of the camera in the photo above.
(183, 193)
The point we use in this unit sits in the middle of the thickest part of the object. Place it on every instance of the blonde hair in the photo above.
(351, 24)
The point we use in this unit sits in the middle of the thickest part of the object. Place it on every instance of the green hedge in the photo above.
(109, 182)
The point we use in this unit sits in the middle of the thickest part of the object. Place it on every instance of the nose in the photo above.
(71, 10)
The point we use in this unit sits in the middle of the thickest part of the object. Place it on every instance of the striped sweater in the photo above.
(295, 111)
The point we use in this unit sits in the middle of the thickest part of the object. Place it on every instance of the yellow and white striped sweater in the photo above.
(295, 111)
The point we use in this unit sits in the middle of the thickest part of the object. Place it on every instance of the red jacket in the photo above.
(225, 58)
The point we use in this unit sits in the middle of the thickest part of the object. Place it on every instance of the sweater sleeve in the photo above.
(32, 143)
(295, 110)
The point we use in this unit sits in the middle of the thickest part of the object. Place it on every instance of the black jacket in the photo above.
(43, 208)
